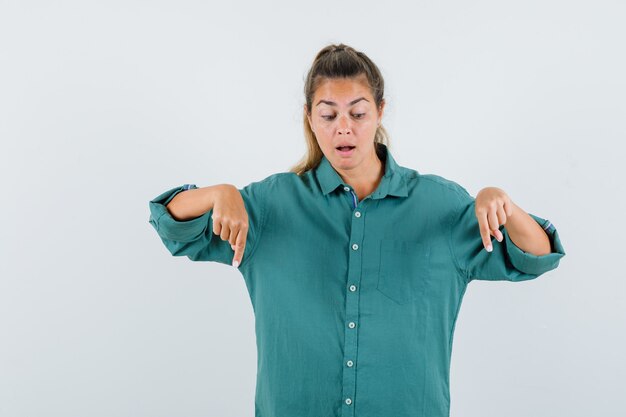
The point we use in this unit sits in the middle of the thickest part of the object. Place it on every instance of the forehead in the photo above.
(343, 90)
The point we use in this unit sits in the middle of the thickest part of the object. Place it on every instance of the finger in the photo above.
(217, 227)
(483, 224)
(501, 221)
(240, 247)
(499, 236)
(232, 239)
(509, 207)
(225, 234)
(501, 215)
(493, 219)
(234, 231)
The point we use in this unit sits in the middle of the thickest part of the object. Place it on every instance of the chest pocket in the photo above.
(404, 270)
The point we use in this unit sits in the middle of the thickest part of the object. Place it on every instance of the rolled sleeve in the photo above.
(534, 264)
(172, 229)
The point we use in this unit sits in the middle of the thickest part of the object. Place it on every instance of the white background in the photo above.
(104, 105)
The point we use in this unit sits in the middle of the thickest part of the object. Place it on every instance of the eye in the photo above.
(356, 116)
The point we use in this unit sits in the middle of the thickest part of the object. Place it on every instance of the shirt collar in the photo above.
(392, 183)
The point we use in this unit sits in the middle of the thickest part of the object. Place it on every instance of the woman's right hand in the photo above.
(230, 219)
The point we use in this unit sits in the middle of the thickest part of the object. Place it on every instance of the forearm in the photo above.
(194, 202)
(526, 233)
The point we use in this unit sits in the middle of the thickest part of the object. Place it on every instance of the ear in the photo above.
(381, 111)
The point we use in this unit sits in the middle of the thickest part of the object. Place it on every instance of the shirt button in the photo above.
(357, 214)
(352, 287)
(351, 325)
(349, 363)
(346, 188)
(355, 246)
(348, 401)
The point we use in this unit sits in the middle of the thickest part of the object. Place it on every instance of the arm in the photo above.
(183, 219)
(192, 203)
(506, 261)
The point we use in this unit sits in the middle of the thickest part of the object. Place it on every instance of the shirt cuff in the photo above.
(533, 264)
(170, 228)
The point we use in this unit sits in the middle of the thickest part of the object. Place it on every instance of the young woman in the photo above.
(355, 266)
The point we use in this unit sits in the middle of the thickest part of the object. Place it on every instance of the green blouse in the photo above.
(355, 302)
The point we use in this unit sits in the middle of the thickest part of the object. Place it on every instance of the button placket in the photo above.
(355, 261)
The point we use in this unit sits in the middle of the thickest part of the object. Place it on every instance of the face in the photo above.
(344, 113)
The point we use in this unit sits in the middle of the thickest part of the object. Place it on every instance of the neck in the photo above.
(365, 183)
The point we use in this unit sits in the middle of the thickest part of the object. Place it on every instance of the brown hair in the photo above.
(338, 61)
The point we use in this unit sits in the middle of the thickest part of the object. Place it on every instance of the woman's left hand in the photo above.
(493, 206)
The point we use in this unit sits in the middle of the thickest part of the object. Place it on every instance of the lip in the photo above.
(345, 153)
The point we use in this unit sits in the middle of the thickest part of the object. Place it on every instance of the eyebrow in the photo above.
(332, 103)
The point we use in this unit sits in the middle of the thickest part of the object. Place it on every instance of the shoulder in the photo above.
(273, 182)
(288, 179)
(278, 179)
(436, 188)
(445, 184)
(270, 179)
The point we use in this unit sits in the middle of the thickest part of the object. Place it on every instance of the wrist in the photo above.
(211, 193)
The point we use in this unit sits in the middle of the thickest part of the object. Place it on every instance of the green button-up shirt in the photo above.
(355, 302)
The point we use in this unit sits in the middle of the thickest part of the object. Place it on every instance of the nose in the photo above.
(344, 126)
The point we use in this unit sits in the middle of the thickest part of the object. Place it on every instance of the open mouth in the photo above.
(345, 148)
